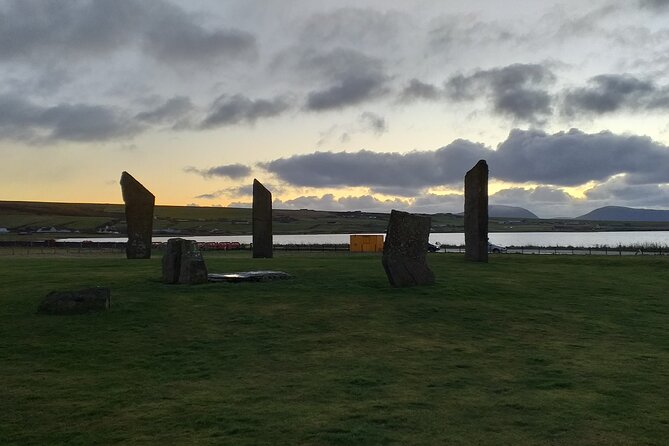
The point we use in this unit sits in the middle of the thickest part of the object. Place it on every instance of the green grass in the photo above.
(558, 350)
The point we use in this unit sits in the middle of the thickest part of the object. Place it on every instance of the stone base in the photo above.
(249, 276)
(89, 300)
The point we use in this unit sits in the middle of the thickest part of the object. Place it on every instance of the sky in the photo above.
(337, 104)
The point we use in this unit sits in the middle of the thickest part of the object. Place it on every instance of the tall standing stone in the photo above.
(139, 204)
(262, 221)
(476, 213)
(405, 250)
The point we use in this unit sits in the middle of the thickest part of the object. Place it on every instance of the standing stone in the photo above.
(183, 262)
(262, 221)
(476, 213)
(405, 250)
(139, 204)
(89, 300)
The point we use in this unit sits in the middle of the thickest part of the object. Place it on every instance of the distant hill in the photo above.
(621, 213)
(501, 211)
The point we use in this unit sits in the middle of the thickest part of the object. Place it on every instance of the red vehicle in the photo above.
(219, 246)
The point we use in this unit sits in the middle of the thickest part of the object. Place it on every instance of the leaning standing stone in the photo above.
(89, 300)
(262, 221)
(139, 204)
(405, 250)
(476, 213)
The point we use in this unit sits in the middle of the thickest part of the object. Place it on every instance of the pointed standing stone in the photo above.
(139, 204)
(476, 213)
(262, 221)
(405, 250)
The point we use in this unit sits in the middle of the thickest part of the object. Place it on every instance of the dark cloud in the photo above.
(228, 110)
(352, 78)
(574, 157)
(656, 5)
(24, 120)
(608, 93)
(374, 122)
(413, 170)
(416, 90)
(348, 91)
(174, 36)
(232, 171)
(562, 159)
(173, 112)
(517, 90)
(211, 196)
(91, 28)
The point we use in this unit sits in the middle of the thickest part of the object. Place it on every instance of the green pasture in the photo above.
(524, 350)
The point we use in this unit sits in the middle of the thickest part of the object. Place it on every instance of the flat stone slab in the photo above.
(89, 300)
(249, 276)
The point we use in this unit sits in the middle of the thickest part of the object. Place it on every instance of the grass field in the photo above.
(559, 350)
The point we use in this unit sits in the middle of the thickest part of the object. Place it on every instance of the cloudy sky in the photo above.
(344, 105)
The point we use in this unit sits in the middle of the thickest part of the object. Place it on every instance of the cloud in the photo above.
(228, 110)
(355, 27)
(211, 195)
(449, 33)
(544, 201)
(174, 36)
(656, 5)
(516, 90)
(429, 203)
(416, 90)
(35, 29)
(232, 171)
(353, 77)
(573, 158)
(540, 194)
(328, 202)
(620, 191)
(23, 120)
(527, 156)
(349, 90)
(229, 192)
(174, 112)
(373, 169)
(608, 93)
(374, 122)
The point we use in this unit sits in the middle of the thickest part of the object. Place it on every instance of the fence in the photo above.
(8, 248)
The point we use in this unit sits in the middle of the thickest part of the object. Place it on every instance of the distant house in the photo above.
(52, 229)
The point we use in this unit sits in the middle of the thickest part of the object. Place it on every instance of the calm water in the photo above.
(576, 239)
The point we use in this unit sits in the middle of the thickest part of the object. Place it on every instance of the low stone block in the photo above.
(183, 262)
(405, 250)
(88, 300)
(249, 276)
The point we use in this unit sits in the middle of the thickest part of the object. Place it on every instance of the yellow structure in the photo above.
(366, 243)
